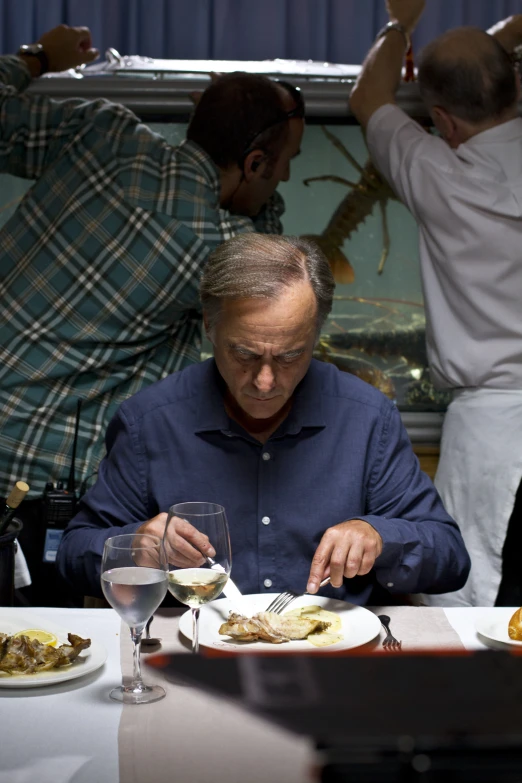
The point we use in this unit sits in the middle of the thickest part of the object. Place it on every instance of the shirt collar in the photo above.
(307, 410)
(203, 161)
(503, 132)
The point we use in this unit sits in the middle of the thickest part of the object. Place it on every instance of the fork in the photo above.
(281, 601)
(148, 639)
(390, 642)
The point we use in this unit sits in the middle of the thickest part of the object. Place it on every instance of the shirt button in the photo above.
(267, 583)
(389, 584)
(266, 520)
(266, 456)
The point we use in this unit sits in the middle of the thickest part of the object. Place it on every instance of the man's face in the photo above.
(263, 348)
(252, 195)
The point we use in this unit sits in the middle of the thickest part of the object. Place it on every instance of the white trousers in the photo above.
(479, 472)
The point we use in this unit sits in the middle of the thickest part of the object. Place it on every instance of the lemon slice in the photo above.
(35, 634)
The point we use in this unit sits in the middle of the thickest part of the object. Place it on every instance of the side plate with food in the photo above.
(27, 662)
(501, 624)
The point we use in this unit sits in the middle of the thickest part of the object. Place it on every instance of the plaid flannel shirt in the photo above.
(99, 271)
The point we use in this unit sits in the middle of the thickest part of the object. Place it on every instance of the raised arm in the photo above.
(508, 32)
(381, 72)
(64, 47)
(28, 124)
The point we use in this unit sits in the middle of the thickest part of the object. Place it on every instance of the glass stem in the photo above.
(195, 630)
(137, 682)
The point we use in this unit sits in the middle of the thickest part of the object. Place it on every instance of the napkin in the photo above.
(420, 627)
(22, 577)
(54, 769)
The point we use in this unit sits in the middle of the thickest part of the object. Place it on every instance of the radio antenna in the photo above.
(71, 480)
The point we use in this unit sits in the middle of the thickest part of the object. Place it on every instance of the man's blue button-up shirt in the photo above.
(341, 453)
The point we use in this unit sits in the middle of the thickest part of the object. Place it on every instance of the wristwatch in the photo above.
(395, 26)
(35, 50)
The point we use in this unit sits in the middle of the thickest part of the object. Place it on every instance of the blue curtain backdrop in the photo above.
(324, 30)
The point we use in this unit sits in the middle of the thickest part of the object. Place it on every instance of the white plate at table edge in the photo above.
(360, 625)
(495, 627)
(88, 661)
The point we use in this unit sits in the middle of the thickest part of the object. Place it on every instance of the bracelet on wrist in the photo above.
(395, 26)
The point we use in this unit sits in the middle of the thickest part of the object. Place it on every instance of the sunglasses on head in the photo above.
(297, 95)
(297, 111)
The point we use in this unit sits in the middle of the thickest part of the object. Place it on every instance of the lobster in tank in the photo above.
(353, 210)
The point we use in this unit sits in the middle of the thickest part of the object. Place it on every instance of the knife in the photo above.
(230, 590)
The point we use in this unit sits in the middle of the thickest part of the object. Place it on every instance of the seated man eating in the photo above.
(313, 466)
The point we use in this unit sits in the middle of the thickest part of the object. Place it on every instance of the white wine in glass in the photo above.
(134, 582)
(197, 545)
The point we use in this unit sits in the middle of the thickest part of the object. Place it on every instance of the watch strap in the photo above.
(37, 51)
(395, 26)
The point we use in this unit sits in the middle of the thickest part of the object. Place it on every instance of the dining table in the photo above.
(72, 732)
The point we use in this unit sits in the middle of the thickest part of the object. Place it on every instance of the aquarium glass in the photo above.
(376, 328)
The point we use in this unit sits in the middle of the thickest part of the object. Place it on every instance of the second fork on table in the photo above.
(389, 642)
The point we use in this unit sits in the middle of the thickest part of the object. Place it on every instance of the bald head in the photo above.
(467, 72)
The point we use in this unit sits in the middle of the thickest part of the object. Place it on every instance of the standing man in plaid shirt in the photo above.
(100, 264)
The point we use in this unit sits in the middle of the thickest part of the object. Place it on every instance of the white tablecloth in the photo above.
(68, 733)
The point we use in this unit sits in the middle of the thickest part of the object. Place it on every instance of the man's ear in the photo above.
(253, 164)
(445, 124)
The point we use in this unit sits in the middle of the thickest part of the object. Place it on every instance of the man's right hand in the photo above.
(185, 546)
(406, 12)
(66, 47)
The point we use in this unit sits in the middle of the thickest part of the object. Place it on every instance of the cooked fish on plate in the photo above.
(314, 620)
(271, 627)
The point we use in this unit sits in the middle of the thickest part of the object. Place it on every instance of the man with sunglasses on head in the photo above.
(101, 262)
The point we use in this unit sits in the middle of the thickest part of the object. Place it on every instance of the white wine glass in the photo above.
(134, 582)
(197, 544)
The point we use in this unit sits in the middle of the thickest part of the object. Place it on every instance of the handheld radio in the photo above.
(59, 504)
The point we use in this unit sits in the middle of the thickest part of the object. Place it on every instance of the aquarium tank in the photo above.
(377, 326)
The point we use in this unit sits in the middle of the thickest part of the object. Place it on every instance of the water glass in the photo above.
(134, 582)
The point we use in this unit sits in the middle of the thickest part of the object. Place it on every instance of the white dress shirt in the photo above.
(468, 206)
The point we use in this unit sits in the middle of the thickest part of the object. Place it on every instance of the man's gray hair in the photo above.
(260, 266)
(475, 88)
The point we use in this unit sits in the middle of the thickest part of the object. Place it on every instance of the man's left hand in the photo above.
(345, 550)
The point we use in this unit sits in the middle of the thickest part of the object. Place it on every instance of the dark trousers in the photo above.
(510, 590)
(47, 588)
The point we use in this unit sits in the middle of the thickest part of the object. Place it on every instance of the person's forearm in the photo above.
(380, 76)
(508, 32)
(32, 64)
(381, 72)
(80, 552)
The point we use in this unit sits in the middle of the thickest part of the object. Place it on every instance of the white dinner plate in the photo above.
(495, 625)
(88, 661)
(359, 625)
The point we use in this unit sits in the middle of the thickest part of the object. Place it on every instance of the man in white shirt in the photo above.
(465, 190)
